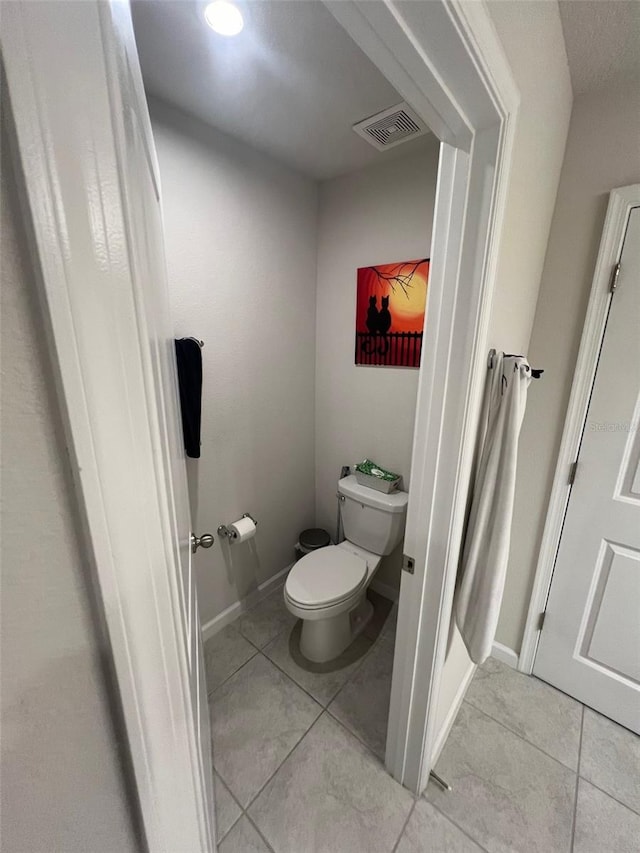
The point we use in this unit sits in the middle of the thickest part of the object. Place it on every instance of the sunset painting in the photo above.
(390, 307)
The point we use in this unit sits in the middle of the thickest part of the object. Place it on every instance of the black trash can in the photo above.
(310, 540)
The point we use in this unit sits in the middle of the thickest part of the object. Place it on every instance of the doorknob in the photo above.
(204, 541)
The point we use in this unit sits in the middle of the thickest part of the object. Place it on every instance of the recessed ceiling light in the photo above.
(224, 18)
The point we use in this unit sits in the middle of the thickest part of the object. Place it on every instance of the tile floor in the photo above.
(298, 752)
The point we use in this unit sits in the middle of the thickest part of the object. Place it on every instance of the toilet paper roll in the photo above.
(243, 529)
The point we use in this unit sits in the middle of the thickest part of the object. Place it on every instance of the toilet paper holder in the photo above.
(223, 530)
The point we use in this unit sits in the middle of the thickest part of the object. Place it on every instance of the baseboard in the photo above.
(213, 626)
(449, 720)
(385, 590)
(504, 654)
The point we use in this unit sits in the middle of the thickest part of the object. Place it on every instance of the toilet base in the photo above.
(322, 640)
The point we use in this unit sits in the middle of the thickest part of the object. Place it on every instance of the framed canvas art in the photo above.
(390, 308)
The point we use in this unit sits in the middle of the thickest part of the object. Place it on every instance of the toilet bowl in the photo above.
(327, 588)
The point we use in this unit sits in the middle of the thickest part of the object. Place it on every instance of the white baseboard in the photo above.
(211, 628)
(504, 654)
(449, 720)
(384, 590)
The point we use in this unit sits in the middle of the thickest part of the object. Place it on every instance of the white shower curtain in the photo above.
(486, 547)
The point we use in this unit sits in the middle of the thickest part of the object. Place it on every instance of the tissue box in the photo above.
(374, 477)
(386, 486)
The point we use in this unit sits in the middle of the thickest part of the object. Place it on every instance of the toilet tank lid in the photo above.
(351, 488)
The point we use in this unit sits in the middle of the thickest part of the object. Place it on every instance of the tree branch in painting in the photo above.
(394, 277)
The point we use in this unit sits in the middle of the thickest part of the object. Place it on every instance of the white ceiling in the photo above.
(602, 38)
(291, 84)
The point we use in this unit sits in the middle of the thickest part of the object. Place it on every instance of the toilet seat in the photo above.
(325, 577)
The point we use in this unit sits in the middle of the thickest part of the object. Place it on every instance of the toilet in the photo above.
(327, 588)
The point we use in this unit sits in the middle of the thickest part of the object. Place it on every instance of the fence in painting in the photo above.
(397, 349)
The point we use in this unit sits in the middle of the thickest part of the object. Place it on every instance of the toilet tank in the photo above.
(371, 519)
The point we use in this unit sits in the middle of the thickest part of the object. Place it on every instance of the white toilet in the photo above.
(327, 588)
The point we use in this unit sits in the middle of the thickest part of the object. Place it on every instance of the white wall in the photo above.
(380, 214)
(531, 34)
(62, 783)
(240, 233)
(603, 152)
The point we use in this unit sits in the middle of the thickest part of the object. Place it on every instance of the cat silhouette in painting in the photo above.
(384, 324)
(384, 317)
(372, 315)
(368, 344)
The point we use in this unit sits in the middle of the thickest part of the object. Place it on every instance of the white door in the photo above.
(590, 641)
(83, 136)
(142, 190)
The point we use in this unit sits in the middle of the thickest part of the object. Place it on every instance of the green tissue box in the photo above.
(370, 474)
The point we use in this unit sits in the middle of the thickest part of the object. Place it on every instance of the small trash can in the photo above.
(310, 540)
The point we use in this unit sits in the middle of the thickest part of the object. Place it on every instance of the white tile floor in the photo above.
(298, 756)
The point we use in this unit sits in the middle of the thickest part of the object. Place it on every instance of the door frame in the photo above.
(446, 59)
(621, 202)
(451, 67)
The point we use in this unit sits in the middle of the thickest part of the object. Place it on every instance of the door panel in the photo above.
(144, 202)
(590, 643)
(146, 228)
(629, 483)
(611, 638)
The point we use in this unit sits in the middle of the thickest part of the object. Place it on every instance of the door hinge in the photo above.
(408, 564)
(615, 272)
(541, 620)
(573, 468)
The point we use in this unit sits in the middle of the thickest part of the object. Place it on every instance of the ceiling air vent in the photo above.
(391, 127)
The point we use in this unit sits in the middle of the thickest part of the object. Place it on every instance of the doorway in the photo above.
(268, 227)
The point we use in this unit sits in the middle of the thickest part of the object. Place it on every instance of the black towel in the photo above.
(189, 361)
